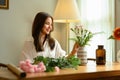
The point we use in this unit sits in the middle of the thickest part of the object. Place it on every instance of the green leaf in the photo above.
(63, 62)
(83, 36)
(111, 37)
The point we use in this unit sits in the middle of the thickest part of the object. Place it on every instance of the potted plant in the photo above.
(82, 37)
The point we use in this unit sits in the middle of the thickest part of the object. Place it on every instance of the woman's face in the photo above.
(47, 26)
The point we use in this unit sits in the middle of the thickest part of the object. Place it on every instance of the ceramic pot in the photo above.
(82, 55)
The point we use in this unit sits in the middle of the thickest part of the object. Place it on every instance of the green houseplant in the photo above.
(82, 37)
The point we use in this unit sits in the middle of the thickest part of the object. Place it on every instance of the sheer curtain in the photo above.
(98, 16)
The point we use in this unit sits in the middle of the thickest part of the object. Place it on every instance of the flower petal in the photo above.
(117, 34)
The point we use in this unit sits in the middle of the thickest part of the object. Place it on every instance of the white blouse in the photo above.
(29, 51)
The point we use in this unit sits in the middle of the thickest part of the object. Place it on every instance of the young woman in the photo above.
(43, 44)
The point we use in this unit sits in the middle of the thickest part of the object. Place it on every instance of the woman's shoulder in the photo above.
(56, 41)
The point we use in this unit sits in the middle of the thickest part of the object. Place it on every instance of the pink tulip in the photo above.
(35, 67)
(28, 61)
(31, 70)
(38, 70)
(57, 69)
(29, 64)
(22, 63)
(25, 68)
(40, 64)
(43, 69)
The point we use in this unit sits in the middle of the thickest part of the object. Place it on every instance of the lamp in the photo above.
(66, 11)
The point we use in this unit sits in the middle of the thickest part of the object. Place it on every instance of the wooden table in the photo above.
(110, 71)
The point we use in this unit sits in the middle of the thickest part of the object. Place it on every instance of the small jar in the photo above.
(100, 55)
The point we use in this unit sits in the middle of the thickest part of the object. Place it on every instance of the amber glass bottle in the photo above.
(100, 55)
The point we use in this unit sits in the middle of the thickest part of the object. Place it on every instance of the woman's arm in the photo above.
(28, 51)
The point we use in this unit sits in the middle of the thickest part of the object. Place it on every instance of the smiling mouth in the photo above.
(48, 30)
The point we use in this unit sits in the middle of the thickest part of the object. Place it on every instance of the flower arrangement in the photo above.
(42, 64)
(82, 35)
(116, 34)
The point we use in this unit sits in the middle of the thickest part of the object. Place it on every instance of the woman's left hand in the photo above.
(76, 46)
(75, 49)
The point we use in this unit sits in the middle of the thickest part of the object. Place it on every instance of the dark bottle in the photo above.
(100, 55)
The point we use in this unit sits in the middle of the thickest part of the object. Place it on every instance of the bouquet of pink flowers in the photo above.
(42, 64)
(29, 68)
(34, 68)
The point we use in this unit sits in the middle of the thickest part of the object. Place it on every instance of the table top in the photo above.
(91, 70)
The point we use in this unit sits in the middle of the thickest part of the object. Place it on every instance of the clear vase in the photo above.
(82, 55)
(118, 56)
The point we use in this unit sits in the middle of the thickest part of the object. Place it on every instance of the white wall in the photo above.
(60, 33)
(15, 26)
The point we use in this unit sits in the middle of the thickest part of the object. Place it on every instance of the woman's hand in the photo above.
(75, 49)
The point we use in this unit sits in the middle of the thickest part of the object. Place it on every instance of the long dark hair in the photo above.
(37, 26)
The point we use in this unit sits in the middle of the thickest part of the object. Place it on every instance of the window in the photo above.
(98, 16)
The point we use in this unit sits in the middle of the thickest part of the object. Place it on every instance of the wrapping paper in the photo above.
(20, 73)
